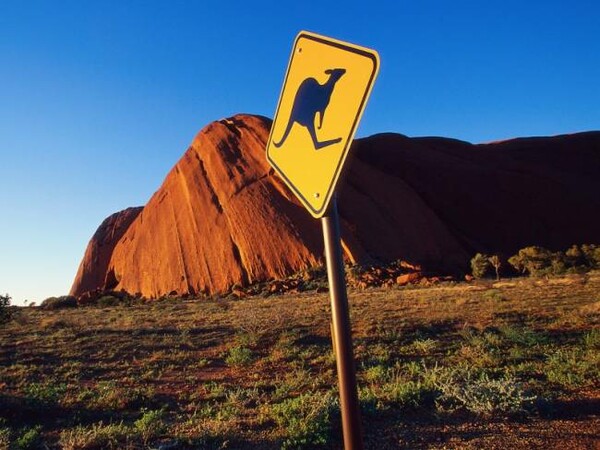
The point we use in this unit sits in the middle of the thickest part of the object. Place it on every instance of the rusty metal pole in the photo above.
(342, 337)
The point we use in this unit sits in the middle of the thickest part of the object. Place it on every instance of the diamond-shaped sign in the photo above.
(325, 91)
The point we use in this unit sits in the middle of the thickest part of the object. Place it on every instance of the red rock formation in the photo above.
(499, 197)
(93, 267)
(222, 217)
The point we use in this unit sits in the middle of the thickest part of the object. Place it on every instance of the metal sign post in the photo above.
(342, 337)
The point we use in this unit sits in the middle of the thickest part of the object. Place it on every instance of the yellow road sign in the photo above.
(323, 96)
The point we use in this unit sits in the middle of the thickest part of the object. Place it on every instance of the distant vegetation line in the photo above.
(534, 261)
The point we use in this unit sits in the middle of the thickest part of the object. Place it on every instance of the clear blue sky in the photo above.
(98, 100)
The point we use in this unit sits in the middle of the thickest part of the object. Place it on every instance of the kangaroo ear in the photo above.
(329, 71)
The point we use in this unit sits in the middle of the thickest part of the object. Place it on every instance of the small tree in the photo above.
(5, 311)
(574, 257)
(559, 264)
(591, 254)
(480, 265)
(496, 264)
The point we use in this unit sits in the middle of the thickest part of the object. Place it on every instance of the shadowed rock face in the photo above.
(222, 217)
(503, 196)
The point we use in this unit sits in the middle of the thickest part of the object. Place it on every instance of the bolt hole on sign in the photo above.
(324, 94)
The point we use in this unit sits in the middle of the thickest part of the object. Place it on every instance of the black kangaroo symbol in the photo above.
(312, 98)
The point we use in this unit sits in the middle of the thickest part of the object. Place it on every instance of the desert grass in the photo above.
(435, 364)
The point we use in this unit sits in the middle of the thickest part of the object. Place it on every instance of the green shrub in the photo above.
(6, 313)
(591, 255)
(45, 392)
(523, 336)
(401, 387)
(424, 346)
(480, 265)
(239, 356)
(481, 394)
(65, 301)
(306, 419)
(150, 425)
(379, 354)
(4, 437)
(97, 436)
(369, 402)
(534, 260)
(573, 367)
(375, 373)
(415, 392)
(538, 261)
(583, 258)
(108, 300)
(112, 396)
(575, 257)
(591, 339)
(30, 439)
(296, 379)
(407, 394)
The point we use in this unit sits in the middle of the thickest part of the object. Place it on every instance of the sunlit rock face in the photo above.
(222, 217)
(93, 268)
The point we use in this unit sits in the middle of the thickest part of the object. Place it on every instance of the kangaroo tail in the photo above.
(285, 134)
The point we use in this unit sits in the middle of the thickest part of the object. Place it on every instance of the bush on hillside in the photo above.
(591, 254)
(64, 301)
(108, 300)
(5, 311)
